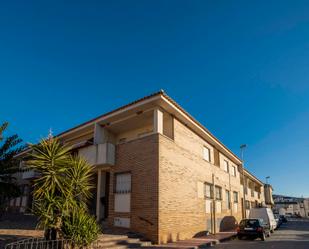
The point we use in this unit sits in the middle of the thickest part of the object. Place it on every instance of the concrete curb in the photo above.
(215, 242)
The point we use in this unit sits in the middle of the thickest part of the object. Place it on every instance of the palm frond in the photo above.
(64, 185)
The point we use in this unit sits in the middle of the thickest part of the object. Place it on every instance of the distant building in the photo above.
(288, 205)
(254, 192)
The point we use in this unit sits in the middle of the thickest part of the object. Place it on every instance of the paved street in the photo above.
(294, 234)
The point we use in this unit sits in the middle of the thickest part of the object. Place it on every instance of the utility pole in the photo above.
(242, 149)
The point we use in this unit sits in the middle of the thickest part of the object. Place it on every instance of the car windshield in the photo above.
(250, 223)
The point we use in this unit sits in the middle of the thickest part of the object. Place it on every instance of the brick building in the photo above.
(159, 172)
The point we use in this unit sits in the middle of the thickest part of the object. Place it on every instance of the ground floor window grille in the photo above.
(123, 192)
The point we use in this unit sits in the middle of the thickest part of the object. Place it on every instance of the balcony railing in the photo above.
(99, 154)
(29, 174)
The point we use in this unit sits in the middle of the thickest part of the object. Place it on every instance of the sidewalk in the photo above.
(200, 242)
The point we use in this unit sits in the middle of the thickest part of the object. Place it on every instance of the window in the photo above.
(206, 154)
(252, 192)
(123, 183)
(228, 199)
(247, 204)
(122, 202)
(218, 192)
(226, 166)
(233, 170)
(235, 197)
(252, 204)
(246, 190)
(208, 190)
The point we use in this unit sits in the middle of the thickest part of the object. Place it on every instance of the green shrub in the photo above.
(80, 227)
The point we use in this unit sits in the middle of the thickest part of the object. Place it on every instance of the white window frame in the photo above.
(235, 193)
(225, 165)
(233, 171)
(210, 196)
(207, 156)
(220, 193)
(122, 192)
(123, 183)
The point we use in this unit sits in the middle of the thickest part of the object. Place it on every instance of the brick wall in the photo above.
(181, 166)
(140, 157)
(165, 205)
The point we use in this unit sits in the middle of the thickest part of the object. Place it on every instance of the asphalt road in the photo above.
(291, 235)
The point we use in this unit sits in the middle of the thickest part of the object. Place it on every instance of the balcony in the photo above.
(99, 154)
(29, 174)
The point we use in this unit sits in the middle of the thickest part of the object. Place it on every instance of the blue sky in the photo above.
(239, 67)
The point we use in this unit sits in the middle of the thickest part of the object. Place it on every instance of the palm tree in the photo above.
(9, 147)
(62, 187)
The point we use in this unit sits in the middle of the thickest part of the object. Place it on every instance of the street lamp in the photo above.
(267, 177)
(242, 149)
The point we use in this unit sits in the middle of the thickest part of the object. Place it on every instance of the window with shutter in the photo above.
(208, 190)
(218, 191)
(226, 166)
(233, 170)
(123, 183)
(206, 154)
(235, 197)
(123, 192)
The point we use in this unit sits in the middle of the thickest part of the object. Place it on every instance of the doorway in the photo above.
(104, 199)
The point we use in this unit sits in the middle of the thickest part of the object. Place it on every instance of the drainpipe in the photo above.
(244, 192)
(230, 196)
(213, 205)
(242, 147)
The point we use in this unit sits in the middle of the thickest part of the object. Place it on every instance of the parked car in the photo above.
(278, 220)
(253, 228)
(266, 215)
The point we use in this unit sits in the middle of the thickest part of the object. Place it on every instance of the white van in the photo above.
(266, 214)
